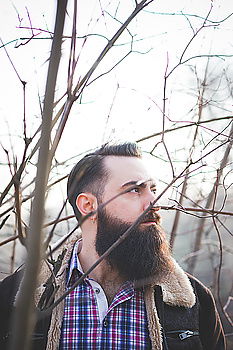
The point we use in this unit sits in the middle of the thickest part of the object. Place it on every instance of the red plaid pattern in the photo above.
(123, 327)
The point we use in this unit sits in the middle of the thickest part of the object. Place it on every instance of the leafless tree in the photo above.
(197, 175)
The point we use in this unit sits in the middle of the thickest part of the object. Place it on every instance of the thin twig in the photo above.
(183, 126)
(219, 272)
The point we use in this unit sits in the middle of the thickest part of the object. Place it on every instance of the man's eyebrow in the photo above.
(141, 183)
(132, 183)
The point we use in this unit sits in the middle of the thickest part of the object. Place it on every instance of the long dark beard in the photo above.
(143, 256)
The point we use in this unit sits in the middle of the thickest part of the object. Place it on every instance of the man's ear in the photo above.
(86, 203)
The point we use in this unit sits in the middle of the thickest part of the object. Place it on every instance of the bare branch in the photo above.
(181, 13)
(24, 317)
(219, 271)
(77, 91)
(211, 212)
(184, 126)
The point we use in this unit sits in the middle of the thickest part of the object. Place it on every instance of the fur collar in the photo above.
(177, 288)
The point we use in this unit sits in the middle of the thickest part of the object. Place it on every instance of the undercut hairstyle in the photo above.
(90, 174)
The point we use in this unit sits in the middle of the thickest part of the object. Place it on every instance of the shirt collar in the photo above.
(75, 265)
(74, 261)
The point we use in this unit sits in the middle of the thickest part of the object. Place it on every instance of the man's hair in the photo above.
(90, 175)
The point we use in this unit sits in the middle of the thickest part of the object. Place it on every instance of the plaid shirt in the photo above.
(89, 323)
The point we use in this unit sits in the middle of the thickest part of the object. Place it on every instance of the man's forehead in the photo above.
(127, 169)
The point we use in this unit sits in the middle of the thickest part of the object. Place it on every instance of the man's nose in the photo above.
(149, 198)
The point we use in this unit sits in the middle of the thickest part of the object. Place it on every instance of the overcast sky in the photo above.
(127, 102)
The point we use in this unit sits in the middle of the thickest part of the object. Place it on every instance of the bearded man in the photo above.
(137, 297)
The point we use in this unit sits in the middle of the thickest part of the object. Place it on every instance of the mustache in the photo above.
(152, 216)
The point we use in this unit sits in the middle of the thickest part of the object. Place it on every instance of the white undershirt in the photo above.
(101, 299)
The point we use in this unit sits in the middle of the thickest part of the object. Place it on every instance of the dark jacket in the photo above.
(195, 328)
(202, 317)
(181, 313)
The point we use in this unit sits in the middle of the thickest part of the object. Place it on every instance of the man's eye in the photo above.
(135, 190)
(153, 190)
